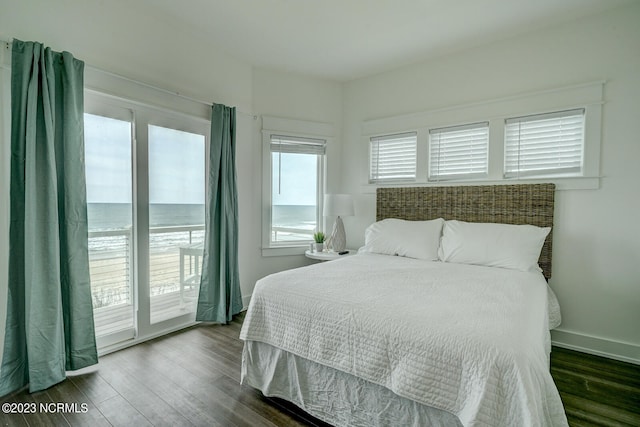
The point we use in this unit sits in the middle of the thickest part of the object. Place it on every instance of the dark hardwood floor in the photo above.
(596, 391)
(191, 378)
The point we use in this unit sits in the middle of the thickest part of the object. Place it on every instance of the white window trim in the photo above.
(294, 128)
(589, 96)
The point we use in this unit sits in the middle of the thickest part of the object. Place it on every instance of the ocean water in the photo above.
(294, 216)
(115, 216)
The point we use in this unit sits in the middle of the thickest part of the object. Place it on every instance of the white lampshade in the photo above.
(338, 205)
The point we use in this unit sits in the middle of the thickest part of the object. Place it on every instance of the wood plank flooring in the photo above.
(191, 378)
(595, 390)
(188, 378)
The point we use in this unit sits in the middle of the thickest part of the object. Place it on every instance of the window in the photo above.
(296, 166)
(545, 144)
(459, 152)
(108, 164)
(176, 219)
(145, 170)
(393, 157)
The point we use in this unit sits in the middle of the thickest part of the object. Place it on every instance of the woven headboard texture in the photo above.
(508, 204)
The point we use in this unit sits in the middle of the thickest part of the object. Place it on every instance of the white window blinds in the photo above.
(289, 144)
(458, 152)
(544, 144)
(393, 157)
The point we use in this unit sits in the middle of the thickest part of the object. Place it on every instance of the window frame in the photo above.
(294, 129)
(320, 159)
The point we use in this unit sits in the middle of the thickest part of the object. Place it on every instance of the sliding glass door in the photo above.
(110, 214)
(176, 220)
(145, 173)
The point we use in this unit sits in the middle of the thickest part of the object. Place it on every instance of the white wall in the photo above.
(292, 96)
(125, 38)
(596, 259)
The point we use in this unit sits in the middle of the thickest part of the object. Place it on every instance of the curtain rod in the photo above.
(150, 86)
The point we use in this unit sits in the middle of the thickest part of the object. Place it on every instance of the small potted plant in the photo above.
(319, 238)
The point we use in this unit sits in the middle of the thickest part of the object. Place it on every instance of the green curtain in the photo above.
(220, 296)
(49, 326)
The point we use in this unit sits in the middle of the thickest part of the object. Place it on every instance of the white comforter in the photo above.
(470, 340)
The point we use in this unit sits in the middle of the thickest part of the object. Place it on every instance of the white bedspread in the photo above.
(470, 340)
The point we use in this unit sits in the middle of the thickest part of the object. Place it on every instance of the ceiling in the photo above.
(347, 39)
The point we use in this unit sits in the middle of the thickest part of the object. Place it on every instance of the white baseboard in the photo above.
(625, 352)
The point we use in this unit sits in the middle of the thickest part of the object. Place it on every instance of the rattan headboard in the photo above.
(509, 204)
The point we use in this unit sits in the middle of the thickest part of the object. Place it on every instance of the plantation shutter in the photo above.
(459, 152)
(544, 144)
(393, 157)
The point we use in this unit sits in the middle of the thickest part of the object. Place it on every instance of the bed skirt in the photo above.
(330, 395)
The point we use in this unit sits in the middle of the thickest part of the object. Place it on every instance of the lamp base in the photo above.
(338, 236)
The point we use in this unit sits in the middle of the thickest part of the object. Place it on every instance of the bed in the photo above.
(382, 339)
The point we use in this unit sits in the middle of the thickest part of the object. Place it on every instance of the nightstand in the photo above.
(328, 256)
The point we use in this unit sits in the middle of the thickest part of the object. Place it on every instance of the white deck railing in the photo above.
(110, 262)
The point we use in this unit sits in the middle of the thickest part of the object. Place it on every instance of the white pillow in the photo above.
(413, 239)
(495, 245)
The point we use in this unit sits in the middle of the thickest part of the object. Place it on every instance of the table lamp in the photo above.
(338, 205)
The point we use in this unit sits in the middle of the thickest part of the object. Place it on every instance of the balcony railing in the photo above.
(110, 266)
(288, 234)
(110, 261)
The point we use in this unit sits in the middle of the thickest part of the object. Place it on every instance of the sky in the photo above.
(295, 182)
(176, 163)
